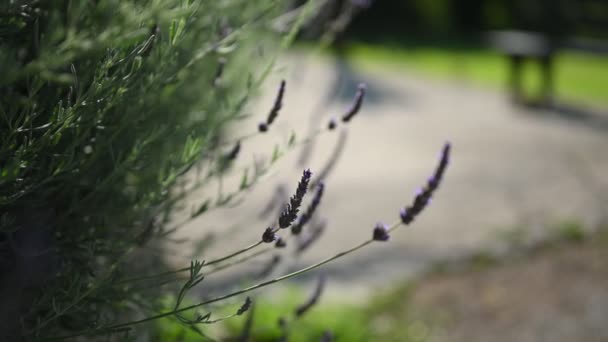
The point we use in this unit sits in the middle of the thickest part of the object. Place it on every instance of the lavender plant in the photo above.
(380, 233)
(105, 107)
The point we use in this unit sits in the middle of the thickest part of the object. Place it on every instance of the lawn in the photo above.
(580, 78)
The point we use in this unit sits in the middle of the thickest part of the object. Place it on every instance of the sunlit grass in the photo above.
(579, 78)
(347, 322)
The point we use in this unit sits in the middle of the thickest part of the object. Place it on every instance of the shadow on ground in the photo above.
(575, 114)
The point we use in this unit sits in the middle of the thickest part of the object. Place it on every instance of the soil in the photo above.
(556, 294)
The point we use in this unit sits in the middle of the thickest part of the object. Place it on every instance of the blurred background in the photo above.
(513, 247)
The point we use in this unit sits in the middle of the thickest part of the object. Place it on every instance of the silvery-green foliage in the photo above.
(103, 105)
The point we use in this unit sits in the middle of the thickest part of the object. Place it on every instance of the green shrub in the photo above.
(103, 105)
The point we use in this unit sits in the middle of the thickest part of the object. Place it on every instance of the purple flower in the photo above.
(332, 124)
(269, 235)
(284, 326)
(307, 215)
(314, 298)
(274, 111)
(234, 152)
(269, 266)
(354, 109)
(315, 233)
(327, 336)
(280, 243)
(262, 127)
(290, 212)
(381, 232)
(406, 218)
(244, 307)
(423, 196)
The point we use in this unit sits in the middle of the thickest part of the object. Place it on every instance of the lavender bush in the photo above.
(104, 108)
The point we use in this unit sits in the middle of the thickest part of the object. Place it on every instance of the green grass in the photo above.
(385, 317)
(580, 78)
(347, 322)
(571, 231)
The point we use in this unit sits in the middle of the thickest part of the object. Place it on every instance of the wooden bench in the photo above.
(520, 46)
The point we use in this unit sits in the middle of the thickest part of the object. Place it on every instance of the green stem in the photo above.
(245, 290)
(152, 276)
(89, 291)
(229, 295)
(239, 261)
(185, 269)
(212, 262)
(256, 181)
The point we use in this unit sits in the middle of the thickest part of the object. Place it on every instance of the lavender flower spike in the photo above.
(245, 307)
(274, 111)
(234, 152)
(331, 125)
(315, 233)
(327, 336)
(269, 235)
(307, 215)
(269, 267)
(302, 309)
(381, 232)
(356, 104)
(280, 243)
(262, 127)
(291, 209)
(423, 196)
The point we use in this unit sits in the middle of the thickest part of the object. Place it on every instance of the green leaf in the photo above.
(276, 154)
(176, 29)
(244, 180)
(191, 149)
(201, 209)
(225, 200)
(292, 139)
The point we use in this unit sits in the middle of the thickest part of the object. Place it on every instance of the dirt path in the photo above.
(556, 294)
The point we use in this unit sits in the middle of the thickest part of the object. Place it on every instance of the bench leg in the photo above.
(547, 74)
(516, 63)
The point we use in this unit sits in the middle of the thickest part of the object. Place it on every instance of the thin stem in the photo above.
(151, 276)
(304, 11)
(239, 261)
(218, 268)
(209, 263)
(86, 293)
(247, 289)
(318, 132)
(232, 294)
(219, 319)
(213, 271)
